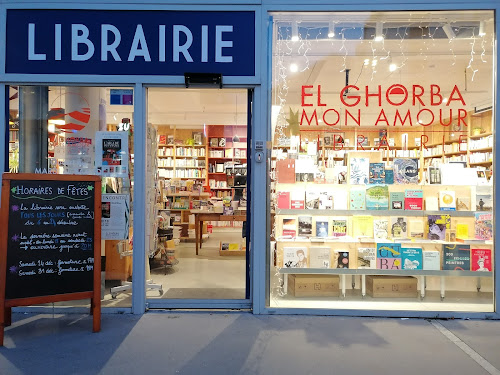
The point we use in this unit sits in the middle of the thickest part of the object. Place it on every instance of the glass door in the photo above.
(196, 195)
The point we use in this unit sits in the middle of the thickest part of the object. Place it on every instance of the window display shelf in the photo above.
(367, 240)
(374, 212)
(374, 271)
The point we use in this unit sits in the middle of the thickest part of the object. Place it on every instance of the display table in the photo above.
(201, 215)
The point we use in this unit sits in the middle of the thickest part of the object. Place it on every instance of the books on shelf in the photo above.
(367, 257)
(325, 200)
(484, 199)
(319, 257)
(341, 259)
(297, 199)
(339, 227)
(481, 260)
(321, 227)
(377, 197)
(380, 229)
(359, 171)
(312, 199)
(456, 257)
(417, 228)
(376, 174)
(389, 176)
(362, 226)
(462, 231)
(411, 258)
(399, 227)
(289, 227)
(483, 225)
(431, 260)
(397, 200)
(295, 257)
(447, 200)
(414, 199)
(283, 199)
(357, 200)
(406, 171)
(305, 226)
(437, 226)
(388, 256)
(463, 204)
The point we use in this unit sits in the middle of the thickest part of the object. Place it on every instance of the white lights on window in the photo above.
(393, 67)
(295, 31)
(374, 62)
(379, 36)
(294, 68)
(331, 29)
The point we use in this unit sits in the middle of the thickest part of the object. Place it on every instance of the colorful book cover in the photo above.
(414, 199)
(312, 199)
(462, 231)
(463, 204)
(417, 228)
(389, 176)
(367, 257)
(437, 226)
(284, 200)
(357, 199)
(411, 258)
(359, 171)
(305, 226)
(295, 257)
(362, 226)
(406, 171)
(339, 227)
(481, 260)
(380, 229)
(456, 257)
(484, 199)
(388, 256)
(376, 173)
(340, 200)
(377, 197)
(342, 258)
(321, 227)
(397, 200)
(483, 226)
(432, 260)
(319, 257)
(297, 199)
(399, 227)
(325, 201)
(289, 226)
(447, 200)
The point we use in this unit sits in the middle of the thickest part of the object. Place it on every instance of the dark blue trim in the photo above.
(6, 163)
(249, 192)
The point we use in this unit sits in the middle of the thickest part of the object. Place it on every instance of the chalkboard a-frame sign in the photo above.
(50, 244)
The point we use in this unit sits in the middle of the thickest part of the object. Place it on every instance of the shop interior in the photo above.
(196, 168)
(373, 174)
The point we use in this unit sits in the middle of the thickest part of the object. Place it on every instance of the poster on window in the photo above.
(112, 154)
(115, 214)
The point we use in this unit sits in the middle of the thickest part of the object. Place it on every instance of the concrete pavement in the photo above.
(242, 343)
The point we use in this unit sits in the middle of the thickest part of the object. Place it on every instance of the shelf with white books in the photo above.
(484, 149)
(373, 212)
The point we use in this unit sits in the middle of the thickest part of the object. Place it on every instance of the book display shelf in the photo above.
(384, 209)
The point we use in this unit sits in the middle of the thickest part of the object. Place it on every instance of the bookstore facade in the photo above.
(360, 140)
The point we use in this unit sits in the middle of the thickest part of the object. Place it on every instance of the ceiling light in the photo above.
(448, 30)
(51, 128)
(445, 100)
(295, 31)
(294, 68)
(392, 67)
(379, 36)
(331, 29)
(481, 29)
(367, 61)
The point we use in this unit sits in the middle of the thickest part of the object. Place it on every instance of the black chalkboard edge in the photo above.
(95, 295)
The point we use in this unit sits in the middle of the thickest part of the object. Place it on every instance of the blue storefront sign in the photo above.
(130, 42)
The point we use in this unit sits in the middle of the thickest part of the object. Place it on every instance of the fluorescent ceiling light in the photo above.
(331, 29)
(295, 31)
(448, 30)
(379, 36)
(393, 67)
(294, 68)
(481, 29)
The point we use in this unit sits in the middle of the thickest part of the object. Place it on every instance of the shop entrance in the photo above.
(197, 173)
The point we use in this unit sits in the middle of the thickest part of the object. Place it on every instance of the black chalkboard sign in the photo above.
(50, 239)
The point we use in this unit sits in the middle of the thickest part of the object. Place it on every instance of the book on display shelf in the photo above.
(341, 200)
(285, 171)
(289, 227)
(431, 260)
(359, 171)
(325, 200)
(377, 197)
(357, 199)
(447, 200)
(312, 199)
(431, 204)
(417, 228)
(397, 200)
(399, 227)
(484, 199)
(319, 257)
(456, 257)
(483, 226)
(437, 226)
(305, 226)
(295, 257)
(362, 226)
(389, 176)
(414, 199)
(380, 229)
(406, 171)
(463, 204)
(367, 257)
(462, 231)
(341, 258)
(339, 227)
(297, 199)
(322, 227)
(376, 174)
(283, 200)
(411, 258)
(481, 260)
(388, 256)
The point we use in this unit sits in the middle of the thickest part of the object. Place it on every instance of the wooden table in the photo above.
(200, 216)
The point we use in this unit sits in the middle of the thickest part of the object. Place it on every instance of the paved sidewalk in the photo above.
(242, 343)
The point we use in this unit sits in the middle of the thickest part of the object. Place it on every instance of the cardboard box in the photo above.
(313, 285)
(391, 286)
